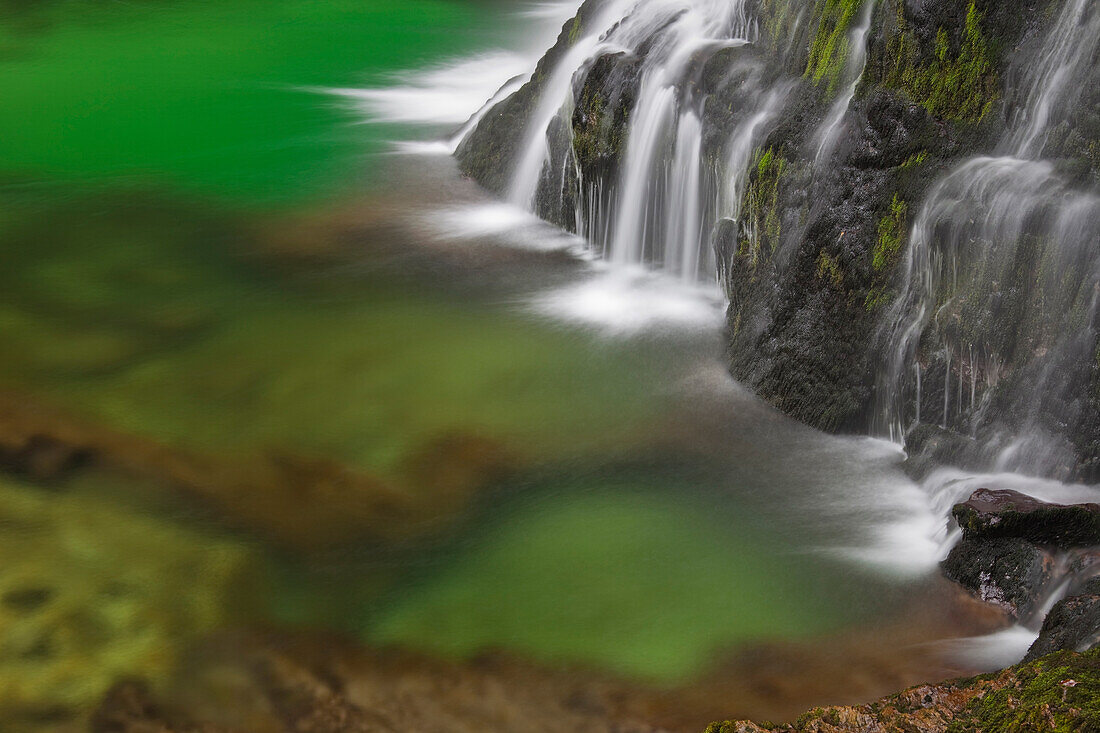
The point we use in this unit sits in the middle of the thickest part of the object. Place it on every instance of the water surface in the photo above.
(404, 413)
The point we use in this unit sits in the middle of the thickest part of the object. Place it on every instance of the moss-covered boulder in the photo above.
(990, 513)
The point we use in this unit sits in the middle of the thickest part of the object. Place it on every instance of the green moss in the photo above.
(958, 85)
(891, 230)
(761, 225)
(587, 143)
(829, 49)
(575, 30)
(914, 160)
(777, 17)
(1042, 699)
(891, 236)
(1059, 693)
(828, 267)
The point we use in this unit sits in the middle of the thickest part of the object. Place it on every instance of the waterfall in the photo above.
(664, 200)
(557, 93)
(853, 71)
(976, 225)
(682, 235)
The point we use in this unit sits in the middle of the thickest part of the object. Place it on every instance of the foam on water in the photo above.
(445, 94)
(455, 92)
(993, 651)
(621, 301)
(504, 223)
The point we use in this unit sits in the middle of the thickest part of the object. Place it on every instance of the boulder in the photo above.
(1073, 624)
(992, 513)
(1007, 572)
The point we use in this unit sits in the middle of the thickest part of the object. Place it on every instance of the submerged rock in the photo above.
(990, 513)
(130, 708)
(1007, 572)
(291, 499)
(91, 590)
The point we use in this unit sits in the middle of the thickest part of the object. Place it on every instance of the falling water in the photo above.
(685, 218)
(853, 72)
(980, 217)
(665, 199)
(525, 180)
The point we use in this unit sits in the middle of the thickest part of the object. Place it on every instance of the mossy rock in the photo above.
(1059, 693)
(1005, 513)
(1073, 624)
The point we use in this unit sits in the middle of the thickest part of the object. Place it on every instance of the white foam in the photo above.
(993, 651)
(453, 92)
(424, 147)
(444, 94)
(503, 223)
(623, 301)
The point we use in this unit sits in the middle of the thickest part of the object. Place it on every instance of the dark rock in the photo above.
(990, 513)
(1007, 572)
(1073, 624)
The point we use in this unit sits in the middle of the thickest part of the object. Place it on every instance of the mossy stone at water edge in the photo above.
(992, 513)
(1073, 623)
(1059, 693)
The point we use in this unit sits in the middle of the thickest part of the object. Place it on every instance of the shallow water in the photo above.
(414, 415)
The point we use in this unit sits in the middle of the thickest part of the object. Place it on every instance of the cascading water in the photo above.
(977, 227)
(671, 185)
(853, 71)
(628, 132)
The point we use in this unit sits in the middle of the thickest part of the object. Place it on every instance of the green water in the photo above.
(208, 95)
(149, 317)
(647, 583)
(146, 290)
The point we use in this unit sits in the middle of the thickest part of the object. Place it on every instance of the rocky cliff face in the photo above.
(858, 123)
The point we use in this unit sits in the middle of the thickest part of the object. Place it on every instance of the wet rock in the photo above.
(991, 513)
(304, 702)
(1007, 572)
(1073, 623)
